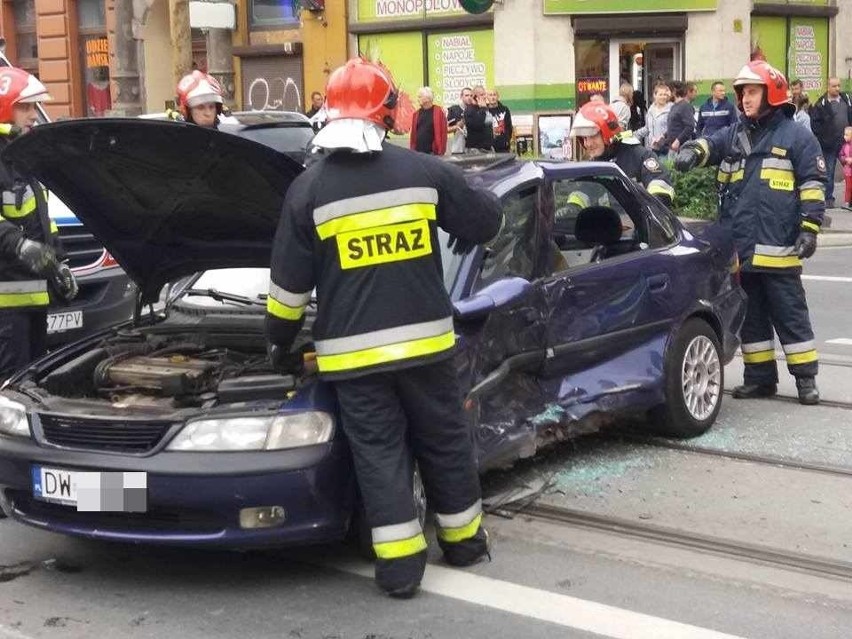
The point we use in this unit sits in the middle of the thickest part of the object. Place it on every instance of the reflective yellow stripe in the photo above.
(282, 311)
(810, 226)
(455, 535)
(389, 353)
(659, 187)
(401, 548)
(10, 211)
(774, 261)
(779, 174)
(17, 300)
(578, 198)
(758, 358)
(737, 176)
(779, 151)
(812, 195)
(53, 227)
(379, 217)
(802, 358)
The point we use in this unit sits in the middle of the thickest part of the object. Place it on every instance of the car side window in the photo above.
(595, 218)
(513, 252)
(662, 230)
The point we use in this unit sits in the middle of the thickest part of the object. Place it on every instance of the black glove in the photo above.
(690, 155)
(283, 361)
(806, 244)
(459, 246)
(64, 282)
(37, 257)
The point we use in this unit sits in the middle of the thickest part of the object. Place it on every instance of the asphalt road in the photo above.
(546, 580)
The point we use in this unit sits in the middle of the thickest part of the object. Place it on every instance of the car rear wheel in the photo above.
(365, 534)
(694, 382)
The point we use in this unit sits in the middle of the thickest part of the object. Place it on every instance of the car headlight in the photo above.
(245, 433)
(13, 418)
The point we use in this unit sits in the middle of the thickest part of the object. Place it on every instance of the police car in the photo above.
(174, 429)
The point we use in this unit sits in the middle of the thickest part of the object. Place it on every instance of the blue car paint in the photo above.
(545, 402)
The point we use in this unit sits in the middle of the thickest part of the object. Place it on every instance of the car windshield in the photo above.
(253, 283)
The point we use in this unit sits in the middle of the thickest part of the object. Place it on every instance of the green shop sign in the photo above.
(555, 7)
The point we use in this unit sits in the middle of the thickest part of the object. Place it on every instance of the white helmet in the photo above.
(197, 88)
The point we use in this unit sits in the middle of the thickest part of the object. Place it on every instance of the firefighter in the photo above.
(771, 181)
(30, 265)
(199, 100)
(600, 133)
(361, 226)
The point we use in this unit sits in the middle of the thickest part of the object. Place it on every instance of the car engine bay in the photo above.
(172, 370)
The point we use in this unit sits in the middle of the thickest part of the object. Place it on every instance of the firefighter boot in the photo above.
(467, 552)
(808, 393)
(400, 578)
(754, 391)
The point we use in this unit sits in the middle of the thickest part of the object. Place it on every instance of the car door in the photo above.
(606, 299)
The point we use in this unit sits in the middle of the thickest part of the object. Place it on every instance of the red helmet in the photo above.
(362, 90)
(198, 88)
(761, 72)
(594, 118)
(18, 87)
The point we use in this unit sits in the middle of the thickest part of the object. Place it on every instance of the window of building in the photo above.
(273, 13)
(25, 34)
(94, 52)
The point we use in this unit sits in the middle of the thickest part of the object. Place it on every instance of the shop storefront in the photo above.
(432, 43)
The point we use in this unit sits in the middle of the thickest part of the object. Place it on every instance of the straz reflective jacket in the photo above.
(771, 181)
(362, 229)
(24, 213)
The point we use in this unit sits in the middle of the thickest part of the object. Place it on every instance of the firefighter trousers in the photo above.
(776, 300)
(23, 338)
(391, 420)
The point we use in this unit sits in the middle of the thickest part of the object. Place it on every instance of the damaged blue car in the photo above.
(593, 302)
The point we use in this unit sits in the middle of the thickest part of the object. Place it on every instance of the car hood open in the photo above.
(166, 199)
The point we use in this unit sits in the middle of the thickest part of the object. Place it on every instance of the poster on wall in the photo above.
(807, 57)
(457, 60)
(402, 53)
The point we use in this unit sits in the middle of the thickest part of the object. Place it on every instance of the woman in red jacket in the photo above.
(428, 125)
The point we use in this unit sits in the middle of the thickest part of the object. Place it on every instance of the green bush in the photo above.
(695, 193)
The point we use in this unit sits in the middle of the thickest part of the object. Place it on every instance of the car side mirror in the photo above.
(491, 298)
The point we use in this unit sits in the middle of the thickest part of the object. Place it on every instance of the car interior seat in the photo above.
(598, 227)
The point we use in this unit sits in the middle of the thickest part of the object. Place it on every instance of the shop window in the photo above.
(94, 52)
(591, 69)
(25, 34)
(273, 13)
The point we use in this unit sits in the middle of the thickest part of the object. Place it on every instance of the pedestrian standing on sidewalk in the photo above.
(428, 125)
(479, 123)
(502, 122)
(455, 122)
(653, 134)
(622, 104)
(802, 117)
(771, 182)
(716, 113)
(681, 124)
(383, 330)
(846, 162)
(830, 116)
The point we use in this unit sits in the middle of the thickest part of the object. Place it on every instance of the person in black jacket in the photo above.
(681, 127)
(361, 226)
(830, 116)
(30, 264)
(479, 122)
(717, 113)
(502, 122)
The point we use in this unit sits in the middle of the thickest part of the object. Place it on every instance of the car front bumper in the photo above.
(194, 499)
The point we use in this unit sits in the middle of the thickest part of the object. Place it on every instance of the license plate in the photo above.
(92, 491)
(61, 322)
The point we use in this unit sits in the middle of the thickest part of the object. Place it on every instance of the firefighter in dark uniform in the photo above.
(361, 225)
(771, 180)
(29, 242)
(199, 101)
(596, 124)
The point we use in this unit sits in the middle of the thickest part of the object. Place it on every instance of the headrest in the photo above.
(598, 225)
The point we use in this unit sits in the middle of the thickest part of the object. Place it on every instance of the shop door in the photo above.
(643, 63)
(272, 83)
